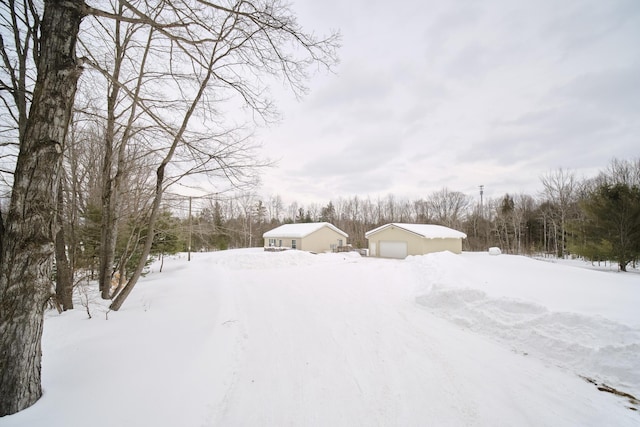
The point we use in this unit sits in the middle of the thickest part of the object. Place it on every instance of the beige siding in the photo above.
(286, 242)
(318, 241)
(395, 234)
(440, 245)
(416, 245)
(321, 240)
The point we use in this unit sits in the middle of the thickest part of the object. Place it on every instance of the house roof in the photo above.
(300, 230)
(429, 231)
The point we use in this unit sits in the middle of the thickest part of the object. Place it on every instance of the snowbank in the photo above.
(468, 292)
(248, 337)
(259, 259)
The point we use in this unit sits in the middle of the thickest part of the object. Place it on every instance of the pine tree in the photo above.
(613, 222)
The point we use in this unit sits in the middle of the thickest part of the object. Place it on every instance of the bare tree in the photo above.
(313, 212)
(560, 191)
(448, 207)
(20, 21)
(121, 114)
(29, 228)
(623, 171)
(64, 273)
(292, 211)
(275, 207)
(82, 156)
(223, 47)
(525, 206)
(405, 211)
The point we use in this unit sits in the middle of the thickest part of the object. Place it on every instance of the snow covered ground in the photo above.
(254, 338)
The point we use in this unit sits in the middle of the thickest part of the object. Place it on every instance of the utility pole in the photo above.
(189, 240)
(250, 235)
(481, 201)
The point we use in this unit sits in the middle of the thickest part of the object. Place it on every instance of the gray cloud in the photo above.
(612, 91)
(361, 155)
(578, 25)
(545, 137)
(462, 93)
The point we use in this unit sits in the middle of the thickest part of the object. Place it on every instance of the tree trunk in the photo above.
(111, 183)
(28, 239)
(159, 191)
(64, 276)
(108, 227)
(155, 210)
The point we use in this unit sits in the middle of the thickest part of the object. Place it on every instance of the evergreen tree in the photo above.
(260, 211)
(167, 239)
(221, 238)
(612, 226)
(328, 213)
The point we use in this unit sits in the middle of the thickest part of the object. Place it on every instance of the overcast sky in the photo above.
(432, 94)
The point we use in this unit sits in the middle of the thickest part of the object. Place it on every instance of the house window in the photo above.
(272, 242)
(293, 244)
(279, 243)
(339, 242)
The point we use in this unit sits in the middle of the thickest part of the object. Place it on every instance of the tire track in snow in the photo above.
(590, 346)
(227, 350)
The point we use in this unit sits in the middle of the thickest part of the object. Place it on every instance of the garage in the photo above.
(399, 240)
(393, 249)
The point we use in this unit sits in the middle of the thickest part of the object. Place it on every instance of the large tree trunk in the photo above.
(28, 239)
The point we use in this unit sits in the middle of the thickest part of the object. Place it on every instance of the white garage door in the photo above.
(393, 249)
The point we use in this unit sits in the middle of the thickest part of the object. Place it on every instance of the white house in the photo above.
(311, 236)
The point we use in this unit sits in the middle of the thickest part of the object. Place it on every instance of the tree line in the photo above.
(597, 218)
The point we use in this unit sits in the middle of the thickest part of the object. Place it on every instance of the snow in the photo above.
(248, 337)
(430, 231)
(300, 230)
(494, 251)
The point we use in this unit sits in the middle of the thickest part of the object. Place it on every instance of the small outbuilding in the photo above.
(311, 236)
(398, 240)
